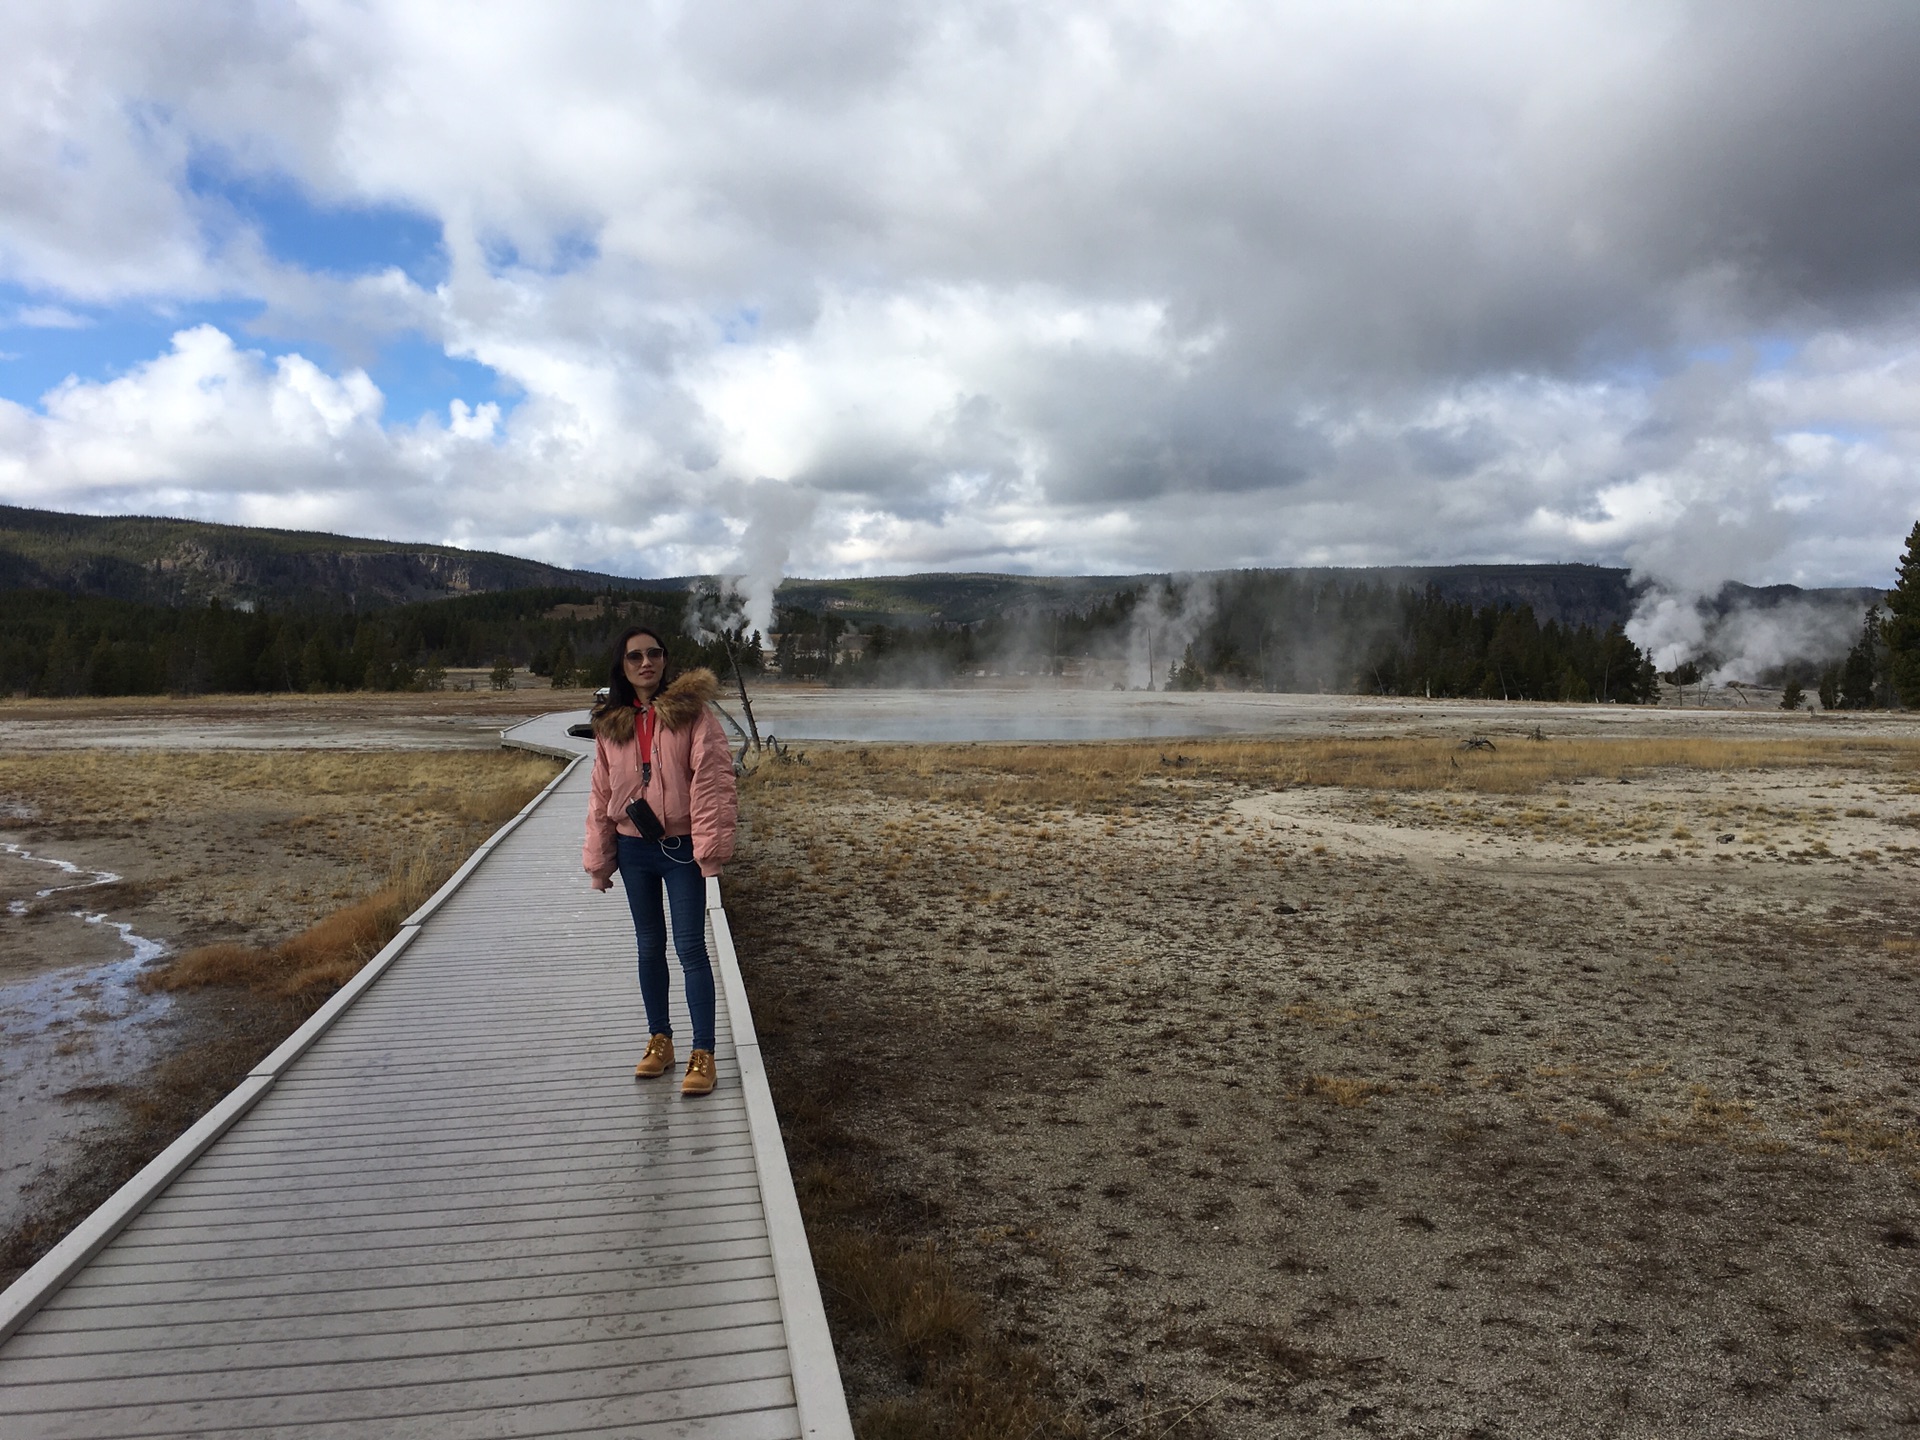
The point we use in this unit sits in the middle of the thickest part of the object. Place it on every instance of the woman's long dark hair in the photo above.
(620, 691)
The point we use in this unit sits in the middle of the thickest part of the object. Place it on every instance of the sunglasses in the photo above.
(640, 657)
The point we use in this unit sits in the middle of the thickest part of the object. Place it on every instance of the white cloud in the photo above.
(49, 317)
(1060, 287)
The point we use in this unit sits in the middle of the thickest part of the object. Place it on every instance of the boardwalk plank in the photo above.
(472, 1173)
(295, 1159)
(585, 1286)
(473, 1177)
(626, 1133)
(437, 1204)
(611, 1091)
(323, 1339)
(699, 1386)
(586, 1118)
(303, 1373)
(755, 1409)
(372, 1244)
(683, 1244)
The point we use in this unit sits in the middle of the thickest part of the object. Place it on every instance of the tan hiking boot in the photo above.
(699, 1079)
(658, 1059)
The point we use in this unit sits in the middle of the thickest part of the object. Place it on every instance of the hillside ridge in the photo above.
(161, 560)
(167, 561)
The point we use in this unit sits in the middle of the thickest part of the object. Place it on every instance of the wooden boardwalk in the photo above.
(446, 1209)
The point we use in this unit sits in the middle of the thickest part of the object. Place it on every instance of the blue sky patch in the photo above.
(415, 375)
(335, 240)
(100, 343)
(110, 343)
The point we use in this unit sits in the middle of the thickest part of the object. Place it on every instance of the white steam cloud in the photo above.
(713, 607)
(1165, 622)
(1744, 639)
(777, 516)
(1718, 493)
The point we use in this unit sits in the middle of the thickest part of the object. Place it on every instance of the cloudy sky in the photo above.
(902, 285)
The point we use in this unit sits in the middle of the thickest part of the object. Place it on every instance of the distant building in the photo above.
(577, 612)
(1095, 674)
(849, 649)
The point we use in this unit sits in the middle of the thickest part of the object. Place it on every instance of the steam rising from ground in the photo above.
(777, 516)
(1744, 638)
(1167, 620)
(713, 606)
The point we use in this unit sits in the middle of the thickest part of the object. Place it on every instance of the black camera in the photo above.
(644, 820)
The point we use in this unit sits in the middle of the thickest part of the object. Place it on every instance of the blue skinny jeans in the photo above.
(646, 868)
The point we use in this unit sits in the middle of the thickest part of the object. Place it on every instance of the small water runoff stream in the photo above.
(67, 1032)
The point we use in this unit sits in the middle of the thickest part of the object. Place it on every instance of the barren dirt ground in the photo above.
(1254, 1106)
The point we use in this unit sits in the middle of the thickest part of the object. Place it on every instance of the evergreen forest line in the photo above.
(55, 644)
(1262, 632)
(1253, 629)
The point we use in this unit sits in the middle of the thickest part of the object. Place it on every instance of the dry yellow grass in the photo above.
(324, 956)
(321, 958)
(1092, 777)
(116, 786)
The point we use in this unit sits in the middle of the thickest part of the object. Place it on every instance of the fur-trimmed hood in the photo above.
(678, 706)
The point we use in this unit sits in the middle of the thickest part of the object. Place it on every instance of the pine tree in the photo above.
(1903, 625)
(1858, 673)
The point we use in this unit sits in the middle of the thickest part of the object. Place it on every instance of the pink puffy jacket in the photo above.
(692, 789)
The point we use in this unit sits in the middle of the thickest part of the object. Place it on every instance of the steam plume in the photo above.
(1165, 622)
(777, 514)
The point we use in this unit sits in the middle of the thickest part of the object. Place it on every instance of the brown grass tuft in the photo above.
(324, 956)
(909, 1296)
(1348, 1094)
(210, 965)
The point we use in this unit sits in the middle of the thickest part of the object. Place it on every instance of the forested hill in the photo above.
(188, 562)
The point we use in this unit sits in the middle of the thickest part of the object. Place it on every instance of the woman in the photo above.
(656, 742)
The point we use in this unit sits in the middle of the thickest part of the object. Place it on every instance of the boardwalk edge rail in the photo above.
(818, 1394)
(59, 1265)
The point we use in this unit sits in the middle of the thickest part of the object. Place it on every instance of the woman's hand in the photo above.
(601, 882)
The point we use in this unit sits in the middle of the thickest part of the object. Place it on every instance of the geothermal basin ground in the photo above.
(1351, 1080)
(1296, 1071)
